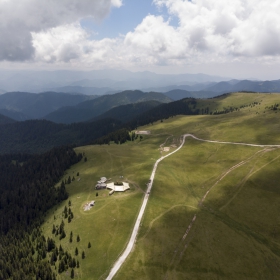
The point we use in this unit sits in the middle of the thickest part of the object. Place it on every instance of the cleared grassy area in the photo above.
(236, 234)
(233, 190)
(236, 231)
(108, 224)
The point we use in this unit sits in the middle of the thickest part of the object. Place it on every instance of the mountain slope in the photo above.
(5, 120)
(38, 136)
(38, 105)
(127, 112)
(15, 115)
(89, 109)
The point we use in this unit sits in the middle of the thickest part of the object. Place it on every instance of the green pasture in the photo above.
(108, 224)
(232, 190)
(250, 125)
(236, 234)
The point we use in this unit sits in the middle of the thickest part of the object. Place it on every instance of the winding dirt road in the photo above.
(132, 239)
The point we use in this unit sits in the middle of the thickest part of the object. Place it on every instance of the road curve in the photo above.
(132, 239)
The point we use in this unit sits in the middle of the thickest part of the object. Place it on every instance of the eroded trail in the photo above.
(132, 239)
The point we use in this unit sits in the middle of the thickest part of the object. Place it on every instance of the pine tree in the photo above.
(76, 251)
(72, 273)
(65, 212)
(83, 255)
(53, 229)
(78, 238)
(89, 245)
(62, 235)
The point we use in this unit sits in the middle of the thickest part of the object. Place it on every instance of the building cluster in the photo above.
(102, 184)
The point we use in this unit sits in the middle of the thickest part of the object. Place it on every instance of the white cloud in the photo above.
(208, 31)
(243, 28)
(18, 19)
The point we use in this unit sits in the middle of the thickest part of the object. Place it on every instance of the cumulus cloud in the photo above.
(19, 19)
(207, 31)
(71, 42)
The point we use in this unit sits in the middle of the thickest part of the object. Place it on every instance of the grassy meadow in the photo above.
(108, 224)
(214, 208)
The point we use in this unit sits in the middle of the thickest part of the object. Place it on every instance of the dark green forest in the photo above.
(26, 193)
(164, 111)
(38, 136)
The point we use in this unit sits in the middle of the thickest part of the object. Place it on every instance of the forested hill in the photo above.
(38, 136)
(89, 109)
(163, 111)
(26, 192)
(126, 113)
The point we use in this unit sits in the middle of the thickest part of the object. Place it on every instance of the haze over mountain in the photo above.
(26, 105)
(38, 81)
(92, 108)
(5, 120)
(246, 85)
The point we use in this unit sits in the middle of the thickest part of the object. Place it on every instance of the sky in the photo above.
(238, 39)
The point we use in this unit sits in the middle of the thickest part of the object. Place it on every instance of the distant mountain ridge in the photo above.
(39, 81)
(246, 85)
(86, 90)
(89, 109)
